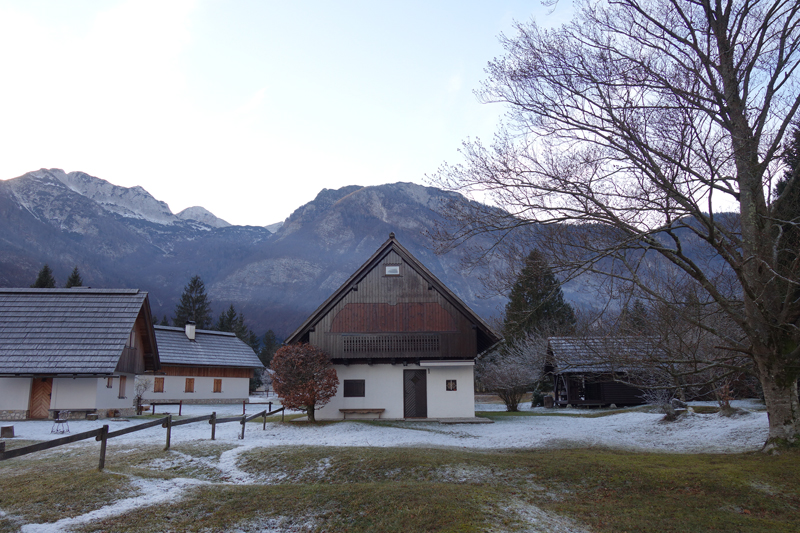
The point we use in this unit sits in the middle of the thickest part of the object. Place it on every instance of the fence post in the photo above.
(243, 424)
(2, 446)
(265, 421)
(103, 438)
(269, 405)
(168, 424)
(213, 423)
(244, 403)
(180, 407)
(282, 412)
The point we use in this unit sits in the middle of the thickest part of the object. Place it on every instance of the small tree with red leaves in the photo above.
(304, 377)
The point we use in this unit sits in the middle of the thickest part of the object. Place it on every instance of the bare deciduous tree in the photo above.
(143, 384)
(631, 130)
(514, 369)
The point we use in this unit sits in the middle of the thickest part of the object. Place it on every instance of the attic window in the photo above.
(392, 270)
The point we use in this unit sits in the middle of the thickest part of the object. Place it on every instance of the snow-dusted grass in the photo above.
(521, 473)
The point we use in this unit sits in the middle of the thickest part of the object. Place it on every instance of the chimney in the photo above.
(190, 330)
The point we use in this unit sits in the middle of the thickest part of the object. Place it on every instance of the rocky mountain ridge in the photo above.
(124, 237)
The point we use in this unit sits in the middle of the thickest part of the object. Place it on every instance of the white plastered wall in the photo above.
(383, 389)
(175, 389)
(443, 403)
(91, 393)
(15, 394)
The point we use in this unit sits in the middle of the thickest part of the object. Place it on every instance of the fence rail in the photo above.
(102, 434)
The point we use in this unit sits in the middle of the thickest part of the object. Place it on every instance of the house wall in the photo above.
(93, 393)
(459, 403)
(15, 394)
(67, 393)
(383, 388)
(234, 389)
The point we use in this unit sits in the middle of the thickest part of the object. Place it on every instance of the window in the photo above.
(122, 380)
(392, 270)
(353, 388)
(217, 385)
(158, 385)
(110, 382)
(451, 384)
(189, 385)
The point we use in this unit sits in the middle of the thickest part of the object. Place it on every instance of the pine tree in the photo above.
(164, 321)
(269, 345)
(74, 279)
(791, 158)
(194, 305)
(45, 279)
(233, 322)
(790, 205)
(634, 321)
(536, 303)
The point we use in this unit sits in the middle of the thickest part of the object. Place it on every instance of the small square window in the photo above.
(354, 388)
(392, 270)
(451, 384)
(109, 383)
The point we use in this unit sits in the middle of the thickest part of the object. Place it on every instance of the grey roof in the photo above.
(599, 354)
(67, 331)
(210, 348)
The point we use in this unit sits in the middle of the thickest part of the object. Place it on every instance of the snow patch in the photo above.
(153, 492)
(539, 521)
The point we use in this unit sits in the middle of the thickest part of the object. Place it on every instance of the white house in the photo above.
(403, 345)
(73, 349)
(201, 366)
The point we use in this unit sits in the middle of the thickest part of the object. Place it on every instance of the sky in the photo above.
(248, 108)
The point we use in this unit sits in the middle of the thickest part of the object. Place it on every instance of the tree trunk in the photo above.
(783, 408)
(310, 412)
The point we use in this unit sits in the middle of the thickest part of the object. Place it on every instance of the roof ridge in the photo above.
(203, 331)
(73, 290)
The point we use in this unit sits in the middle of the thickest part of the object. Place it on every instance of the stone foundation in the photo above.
(13, 414)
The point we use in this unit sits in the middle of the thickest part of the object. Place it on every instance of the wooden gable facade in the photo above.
(405, 339)
(393, 310)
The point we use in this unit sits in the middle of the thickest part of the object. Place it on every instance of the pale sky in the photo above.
(248, 108)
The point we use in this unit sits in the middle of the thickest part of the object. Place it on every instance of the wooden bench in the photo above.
(178, 403)
(345, 412)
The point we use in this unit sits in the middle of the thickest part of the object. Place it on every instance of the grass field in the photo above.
(405, 489)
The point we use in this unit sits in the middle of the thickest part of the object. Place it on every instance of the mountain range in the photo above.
(275, 275)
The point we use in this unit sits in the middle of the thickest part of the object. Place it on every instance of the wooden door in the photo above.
(415, 394)
(41, 389)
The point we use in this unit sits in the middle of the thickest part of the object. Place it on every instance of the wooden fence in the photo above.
(103, 434)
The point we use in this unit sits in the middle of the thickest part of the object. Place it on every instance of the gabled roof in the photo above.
(599, 354)
(486, 337)
(70, 331)
(209, 348)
